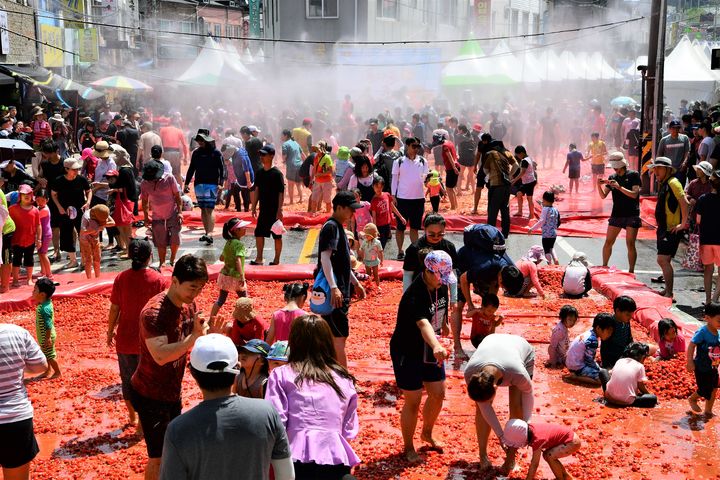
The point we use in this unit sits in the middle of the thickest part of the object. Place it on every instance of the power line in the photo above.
(349, 42)
(38, 41)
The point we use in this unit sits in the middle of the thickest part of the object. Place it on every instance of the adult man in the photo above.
(14, 176)
(252, 146)
(175, 146)
(231, 139)
(129, 139)
(160, 192)
(676, 147)
(292, 157)
(452, 168)
(208, 168)
(485, 139)
(247, 436)
(148, 139)
(549, 132)
(671, 215)
(334, 259)
(244, 175)
(51, 168)
(269, 191)
(499, 164)
(625, 187)
(385, 160)
(408, 188)
(418, 127)
(105, 114)
(169, 326)
(496, 127)
(20, 353)
(374, 134)
(303, 136)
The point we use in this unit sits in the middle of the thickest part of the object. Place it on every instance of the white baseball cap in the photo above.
(214, 348)
(515, 434)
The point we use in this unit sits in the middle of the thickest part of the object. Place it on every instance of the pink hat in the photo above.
(25, 189)
(87, 152)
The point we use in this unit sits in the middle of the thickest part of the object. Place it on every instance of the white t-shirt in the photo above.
(574, 281)
(408, 178)
(575, 359)
(622, 387)
(17, 349)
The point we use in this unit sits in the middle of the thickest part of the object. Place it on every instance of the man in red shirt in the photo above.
(175, 147)
(169, 326)
(452, 169)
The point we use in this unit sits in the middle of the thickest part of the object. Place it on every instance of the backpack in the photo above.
(484, 238)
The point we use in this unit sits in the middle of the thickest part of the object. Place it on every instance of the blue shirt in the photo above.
(241, 164)
(292, 153)
(574, 158)
(707, 352)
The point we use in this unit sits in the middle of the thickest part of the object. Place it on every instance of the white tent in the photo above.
(688, 75)
(235, 61)
(502, 61)
(215, 66)
(531, 63)
(632, 70)
(604, 70)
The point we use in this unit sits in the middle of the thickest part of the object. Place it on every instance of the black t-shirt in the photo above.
(384, 165)
(375, 140)
(71, 193)
(13, 182)
(270, 184)
(708, 207)
(253, 146)
(51, 172)
(126, 180)
(418, 302)
(332, 237)
(624, 206)
(129, 138)
(412, 259)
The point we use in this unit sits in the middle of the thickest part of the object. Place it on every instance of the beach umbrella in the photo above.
(121, 82)
(622, 102)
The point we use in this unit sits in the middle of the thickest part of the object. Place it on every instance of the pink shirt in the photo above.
(529, 269)
(548, 435)
(668, 350)
(362, 216)
(283, 318)
(623, 384)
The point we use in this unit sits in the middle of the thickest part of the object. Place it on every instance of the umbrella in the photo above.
(622, 101)
(15, 149)
(121, 83)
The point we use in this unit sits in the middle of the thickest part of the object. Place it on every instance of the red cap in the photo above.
(477, 127)
(307, 120)
(111, 173)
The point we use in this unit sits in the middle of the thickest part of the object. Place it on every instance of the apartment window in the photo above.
(322, 8)
(514, 22)
(387, 9)
(166, 25)
(526, 23)
(187, 27)
(449, 17)
(536, 23)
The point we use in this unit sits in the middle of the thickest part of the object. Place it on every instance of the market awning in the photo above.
(49, 81)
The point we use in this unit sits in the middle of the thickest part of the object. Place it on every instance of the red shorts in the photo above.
(710, 254)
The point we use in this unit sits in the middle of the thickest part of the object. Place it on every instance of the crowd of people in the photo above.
(283, 391)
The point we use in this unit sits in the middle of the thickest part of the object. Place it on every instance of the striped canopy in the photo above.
(121, 83)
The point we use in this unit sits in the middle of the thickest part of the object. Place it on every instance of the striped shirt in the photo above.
(17, 349)
(41, 131)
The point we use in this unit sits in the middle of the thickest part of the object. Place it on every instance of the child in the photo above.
(41, 200)
(549, 222)
(572, 164)
(246, 325)
(295, 298)
(576, 280)
(278, 355)
(580, 358)
(484, 320)
(253, 376)
(628, 378)
(371, 252)
(45, 324)
(232, 275)
(547, 440)
(670, 342)
(596, 152)
(435, 189)
(362, 215)
(611, 349)
(93, 222)
(703, 357)
(559, 339)
(529, 270)
(28, 234)
(381, 207)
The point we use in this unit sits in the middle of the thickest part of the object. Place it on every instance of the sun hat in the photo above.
(102, 149)
(477, 127)
(279, 351)
(256, 346)
(617, 160)
(241, 224)
(204, 135)
(515, 434)
(244, 305)
(580, 257)
(25, 189)
(535, 254)
(440, 263)
(343, 153)
(153, 170)
(57, 118)
(72, 163)
(214, 353)
(662, 162)
(371, 229)
(100, 213)
(705, 167)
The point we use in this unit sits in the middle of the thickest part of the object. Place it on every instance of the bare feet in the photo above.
(54, 375)
(694, 405)
(508, 466)
(474, 212)
(460, 354)
(485, 463)
(434, 444)
(412, 456)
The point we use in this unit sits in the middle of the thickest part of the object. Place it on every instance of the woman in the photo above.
(71, 194)
(88, 136)
(417, 355)
(507, 361)
(131, 290)
(466, 146)
(125, 190)
(317, 402)
(707, 144)
(625, 187)
(698, 187)
(362, 179)
(527, 179)
(706, 209)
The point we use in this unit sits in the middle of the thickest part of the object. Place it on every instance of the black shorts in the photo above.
(384, 232)
(625, 222)
(127, 363)
(706, 381)
(18, 445)
(667, 243)
(548, 244)
(528, 188)
(23, 256)
(7, 248)
(155, 416)
(477, 340)
(410, 374)
(412, 211)
(480, 179)
(451, 179)
(264, 224)
(338, 321)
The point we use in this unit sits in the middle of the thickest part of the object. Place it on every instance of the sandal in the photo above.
(253, 262)
(658, 279)
(70, 265)
(274, 263)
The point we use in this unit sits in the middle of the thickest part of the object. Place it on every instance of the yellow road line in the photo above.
(309, 245)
